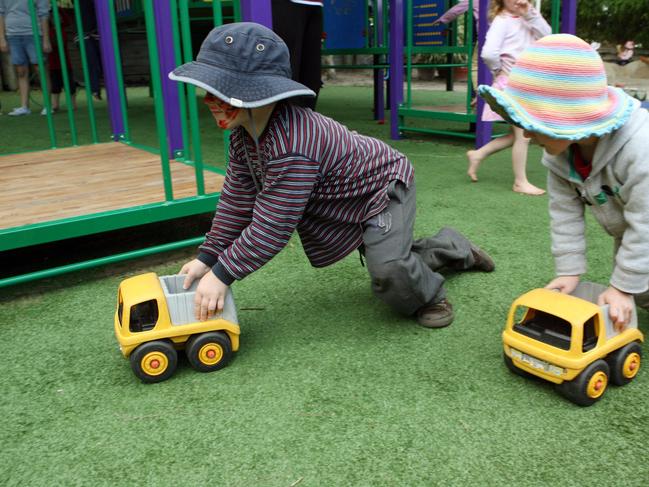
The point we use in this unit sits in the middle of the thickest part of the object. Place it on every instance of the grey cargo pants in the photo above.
(404, 272)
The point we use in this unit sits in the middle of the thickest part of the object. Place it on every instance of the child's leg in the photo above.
(477, 156)
(452, 250)
(519, 164)
(399, 276)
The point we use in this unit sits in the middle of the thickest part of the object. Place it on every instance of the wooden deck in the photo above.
(55, 184)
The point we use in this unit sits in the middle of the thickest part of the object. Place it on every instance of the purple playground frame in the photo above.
(110, 68)
(164, 36)
(260, 11)
(257, 11)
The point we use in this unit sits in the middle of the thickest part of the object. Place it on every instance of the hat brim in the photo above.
(513, 112)
(239, 90)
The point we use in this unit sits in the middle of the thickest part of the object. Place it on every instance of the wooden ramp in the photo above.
(55, 184)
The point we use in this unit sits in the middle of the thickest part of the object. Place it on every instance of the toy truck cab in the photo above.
(155, 318)
(570, 341)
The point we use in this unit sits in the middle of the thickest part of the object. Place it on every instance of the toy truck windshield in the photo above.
(553, 330)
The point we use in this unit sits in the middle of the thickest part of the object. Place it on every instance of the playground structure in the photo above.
(86, 190)
(62, 193)
(419, 18)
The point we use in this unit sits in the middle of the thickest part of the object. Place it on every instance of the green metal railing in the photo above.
(86, 74)
(42, 71)
(458, 47)
(120, 75)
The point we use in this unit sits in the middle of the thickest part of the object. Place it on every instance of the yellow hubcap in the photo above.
(210, 354)
(154, 363)
(631, 365)
(597, 385)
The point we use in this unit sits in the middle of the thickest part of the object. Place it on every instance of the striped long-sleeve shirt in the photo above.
(316, 176)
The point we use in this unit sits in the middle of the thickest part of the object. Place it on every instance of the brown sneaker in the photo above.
(483, 262)
(436, 315)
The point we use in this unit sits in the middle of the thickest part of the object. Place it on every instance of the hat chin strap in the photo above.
(255, 138)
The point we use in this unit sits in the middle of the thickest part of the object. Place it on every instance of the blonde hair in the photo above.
(495, 7)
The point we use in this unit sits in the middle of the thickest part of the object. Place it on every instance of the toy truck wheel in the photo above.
(154, 361)
(209, 351)
(625, 363)
(589, 386)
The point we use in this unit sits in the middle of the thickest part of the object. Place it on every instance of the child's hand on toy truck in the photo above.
(210, 293)
(620, 304)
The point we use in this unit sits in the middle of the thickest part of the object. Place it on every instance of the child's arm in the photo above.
(233, 212)
(452, 13)
(536, 23)
(493, 44)
(278, 209)
(631, 270)
(567, 227)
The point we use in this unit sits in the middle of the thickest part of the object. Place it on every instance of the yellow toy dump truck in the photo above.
(570, 341)
(155, 318)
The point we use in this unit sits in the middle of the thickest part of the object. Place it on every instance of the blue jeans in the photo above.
(22, 49)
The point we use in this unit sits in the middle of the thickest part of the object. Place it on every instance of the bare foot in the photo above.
(528, 188)
(474, 163)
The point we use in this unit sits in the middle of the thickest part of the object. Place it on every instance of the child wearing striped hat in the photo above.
(596, 141)
(292, 169)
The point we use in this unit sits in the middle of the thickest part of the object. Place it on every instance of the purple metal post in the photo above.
(569, 16)
(102, 9)
(257, 11)
(483, 129)
(379, 84)
(396, 65)
(164, 36)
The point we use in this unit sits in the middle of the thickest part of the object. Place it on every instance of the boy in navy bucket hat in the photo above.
(291, 168)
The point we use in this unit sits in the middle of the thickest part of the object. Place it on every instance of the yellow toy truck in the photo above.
(570, 341)
(155, 318)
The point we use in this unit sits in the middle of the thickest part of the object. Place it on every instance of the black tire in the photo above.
(625, 363)
(584, 389)
(154, 361)
(510, 365)
(209, 351)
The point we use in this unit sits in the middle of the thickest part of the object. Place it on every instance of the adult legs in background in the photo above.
(57, 86)
(94, 65)
(22, 73)
(300, 27)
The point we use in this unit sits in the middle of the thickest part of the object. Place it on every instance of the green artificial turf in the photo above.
(329, 387)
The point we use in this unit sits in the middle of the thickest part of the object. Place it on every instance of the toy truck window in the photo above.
(143, 316)
(590, 335)
(543, 327)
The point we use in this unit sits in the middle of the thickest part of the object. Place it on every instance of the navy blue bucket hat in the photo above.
(244, 64)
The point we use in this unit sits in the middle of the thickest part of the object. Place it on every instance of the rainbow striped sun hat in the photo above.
(558, 88)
